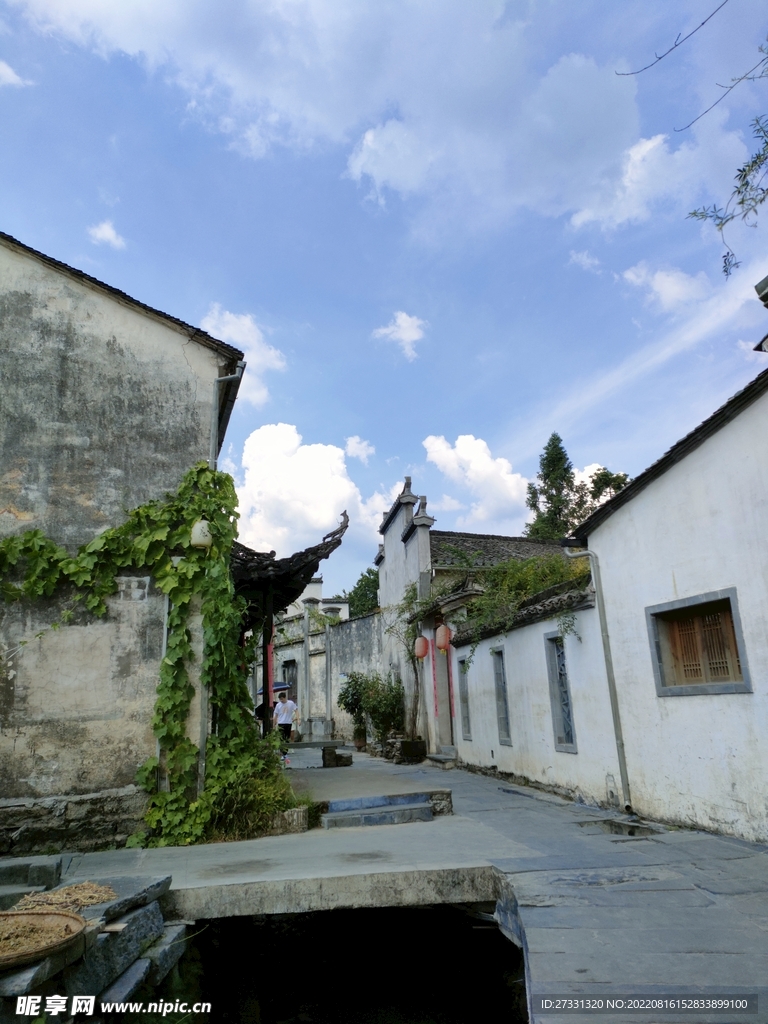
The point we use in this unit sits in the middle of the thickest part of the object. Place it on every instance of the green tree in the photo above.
(551, 497)
(364, 596)
(559, 503)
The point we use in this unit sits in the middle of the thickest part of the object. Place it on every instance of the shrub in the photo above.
(369, 698)
(246, 806)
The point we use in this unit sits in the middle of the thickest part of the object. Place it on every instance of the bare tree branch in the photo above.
(674, 46)
(748, 76)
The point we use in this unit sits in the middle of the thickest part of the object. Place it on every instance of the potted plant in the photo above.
(352, 700)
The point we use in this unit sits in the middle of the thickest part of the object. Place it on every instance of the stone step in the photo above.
(449, 750)
(42, 871)
(359, 803)
(127, 984)
(11, 894)
(167, 951)
(442, 760)
(130, 892)
(385, 815)
(114, 953)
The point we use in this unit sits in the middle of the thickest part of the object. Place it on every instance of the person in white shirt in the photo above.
(285, 714)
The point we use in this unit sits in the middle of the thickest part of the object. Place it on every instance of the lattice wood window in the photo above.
(698, 645)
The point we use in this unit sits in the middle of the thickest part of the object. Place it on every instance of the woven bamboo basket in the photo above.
(71, 924)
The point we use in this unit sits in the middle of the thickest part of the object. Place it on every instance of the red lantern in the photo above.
(443, 638)
(421, 647)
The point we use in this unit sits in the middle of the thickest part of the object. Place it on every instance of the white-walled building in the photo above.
(307, 665)
(682, 554)
(679, 560)
(413, 555)
(533, 703)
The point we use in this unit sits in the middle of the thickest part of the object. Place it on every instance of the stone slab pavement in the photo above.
(598, 915)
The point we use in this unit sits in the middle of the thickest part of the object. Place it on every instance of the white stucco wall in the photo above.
(532, 754)
(699, 528)
(402, 565)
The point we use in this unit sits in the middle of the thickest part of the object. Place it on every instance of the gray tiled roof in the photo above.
(538, 609)
(446, 548)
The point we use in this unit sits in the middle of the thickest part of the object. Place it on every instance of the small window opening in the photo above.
(502, 702)
(697, 646)
(291, 678)
(560, 696)
(466, 726)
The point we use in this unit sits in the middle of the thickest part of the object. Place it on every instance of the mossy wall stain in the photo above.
(105, 406)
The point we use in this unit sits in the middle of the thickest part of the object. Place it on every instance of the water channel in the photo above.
(417, 965)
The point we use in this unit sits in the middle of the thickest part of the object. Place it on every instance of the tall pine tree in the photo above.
(558, 503)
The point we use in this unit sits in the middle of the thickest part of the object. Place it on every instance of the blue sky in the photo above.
(441, 229)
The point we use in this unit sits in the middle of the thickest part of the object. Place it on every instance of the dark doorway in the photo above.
(290, 678)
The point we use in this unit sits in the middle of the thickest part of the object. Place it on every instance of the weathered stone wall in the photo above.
(78, 701)
(356, 646)
(88, 821)
(105, 406)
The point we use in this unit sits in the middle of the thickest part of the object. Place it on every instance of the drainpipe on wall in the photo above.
(328, 686)
(598, 585)
(237, 375)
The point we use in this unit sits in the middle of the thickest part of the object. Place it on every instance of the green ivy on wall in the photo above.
(156, 537)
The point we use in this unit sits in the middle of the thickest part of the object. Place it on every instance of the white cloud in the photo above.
(669, 288)
(584, 476)
(293, 493)
(497, 493)
(105, 234)
(446, 504)
(357, 448)
(393, 156)
(405, 330)
(9, 77)
(242, 331)
(446, 101)
(729, 305)
(653, 172)
(585, 261)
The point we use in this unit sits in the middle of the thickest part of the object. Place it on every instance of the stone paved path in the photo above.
(598, 914)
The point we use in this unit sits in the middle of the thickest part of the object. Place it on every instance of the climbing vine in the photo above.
(499, 591)
(157, 537)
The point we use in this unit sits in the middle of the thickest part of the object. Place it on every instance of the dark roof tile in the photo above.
(447, 548)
